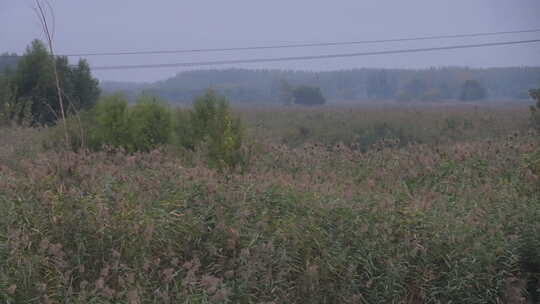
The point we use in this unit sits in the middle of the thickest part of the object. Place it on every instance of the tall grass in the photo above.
(453, 220)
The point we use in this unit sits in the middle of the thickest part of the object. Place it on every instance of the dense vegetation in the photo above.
(448, 215)
(252, 86)
(28, 93)
(150, 124)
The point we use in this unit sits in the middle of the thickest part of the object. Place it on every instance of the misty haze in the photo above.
(270, 151)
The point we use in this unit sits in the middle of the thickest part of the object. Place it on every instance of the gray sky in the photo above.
(141, 25)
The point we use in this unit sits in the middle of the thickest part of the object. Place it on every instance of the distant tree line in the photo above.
(435, 84)
(28, 90)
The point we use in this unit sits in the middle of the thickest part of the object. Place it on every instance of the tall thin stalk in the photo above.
(49, 36)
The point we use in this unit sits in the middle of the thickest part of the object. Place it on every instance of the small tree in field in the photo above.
(306, 95)
(111, 123)
(149, 124)
(213, 123)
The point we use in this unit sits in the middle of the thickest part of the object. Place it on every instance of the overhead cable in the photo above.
(311, 57)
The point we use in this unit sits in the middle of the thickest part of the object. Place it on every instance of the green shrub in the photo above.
(149, 123)
(111, 123)
(142, 127)
(181, 129)
(213, 123)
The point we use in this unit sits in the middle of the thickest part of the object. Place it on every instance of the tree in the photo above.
(306, 95)
(111, 123)
(213, 123)
(149, 124)
(35, 84)
(85, 87)
(472, 90)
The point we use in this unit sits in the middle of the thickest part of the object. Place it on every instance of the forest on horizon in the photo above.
(267, 86)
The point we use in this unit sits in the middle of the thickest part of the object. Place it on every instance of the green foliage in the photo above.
(6, 100)
(183, 132)
(111, 128)
(149, 124)
(535, 109)
(308, 96)
(85, 90)
(212, 123)
(11, 109)
(472, 90)
(33, 82)
(142, 127)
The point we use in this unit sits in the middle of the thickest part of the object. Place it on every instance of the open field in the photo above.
(333, 205)
(361, 127)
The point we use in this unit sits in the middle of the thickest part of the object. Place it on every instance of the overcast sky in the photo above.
(142, 25)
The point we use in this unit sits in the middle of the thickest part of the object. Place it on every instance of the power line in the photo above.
(277, 59)
(282, 46)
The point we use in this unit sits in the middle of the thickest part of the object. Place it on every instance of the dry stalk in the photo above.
(45, 26)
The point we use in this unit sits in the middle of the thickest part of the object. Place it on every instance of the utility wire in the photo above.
(277, 59)
(282, 46)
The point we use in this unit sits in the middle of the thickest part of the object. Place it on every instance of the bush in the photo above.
(182, 130)
(142, 127)
(149, 123)
(212, 122)
(111, 127)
